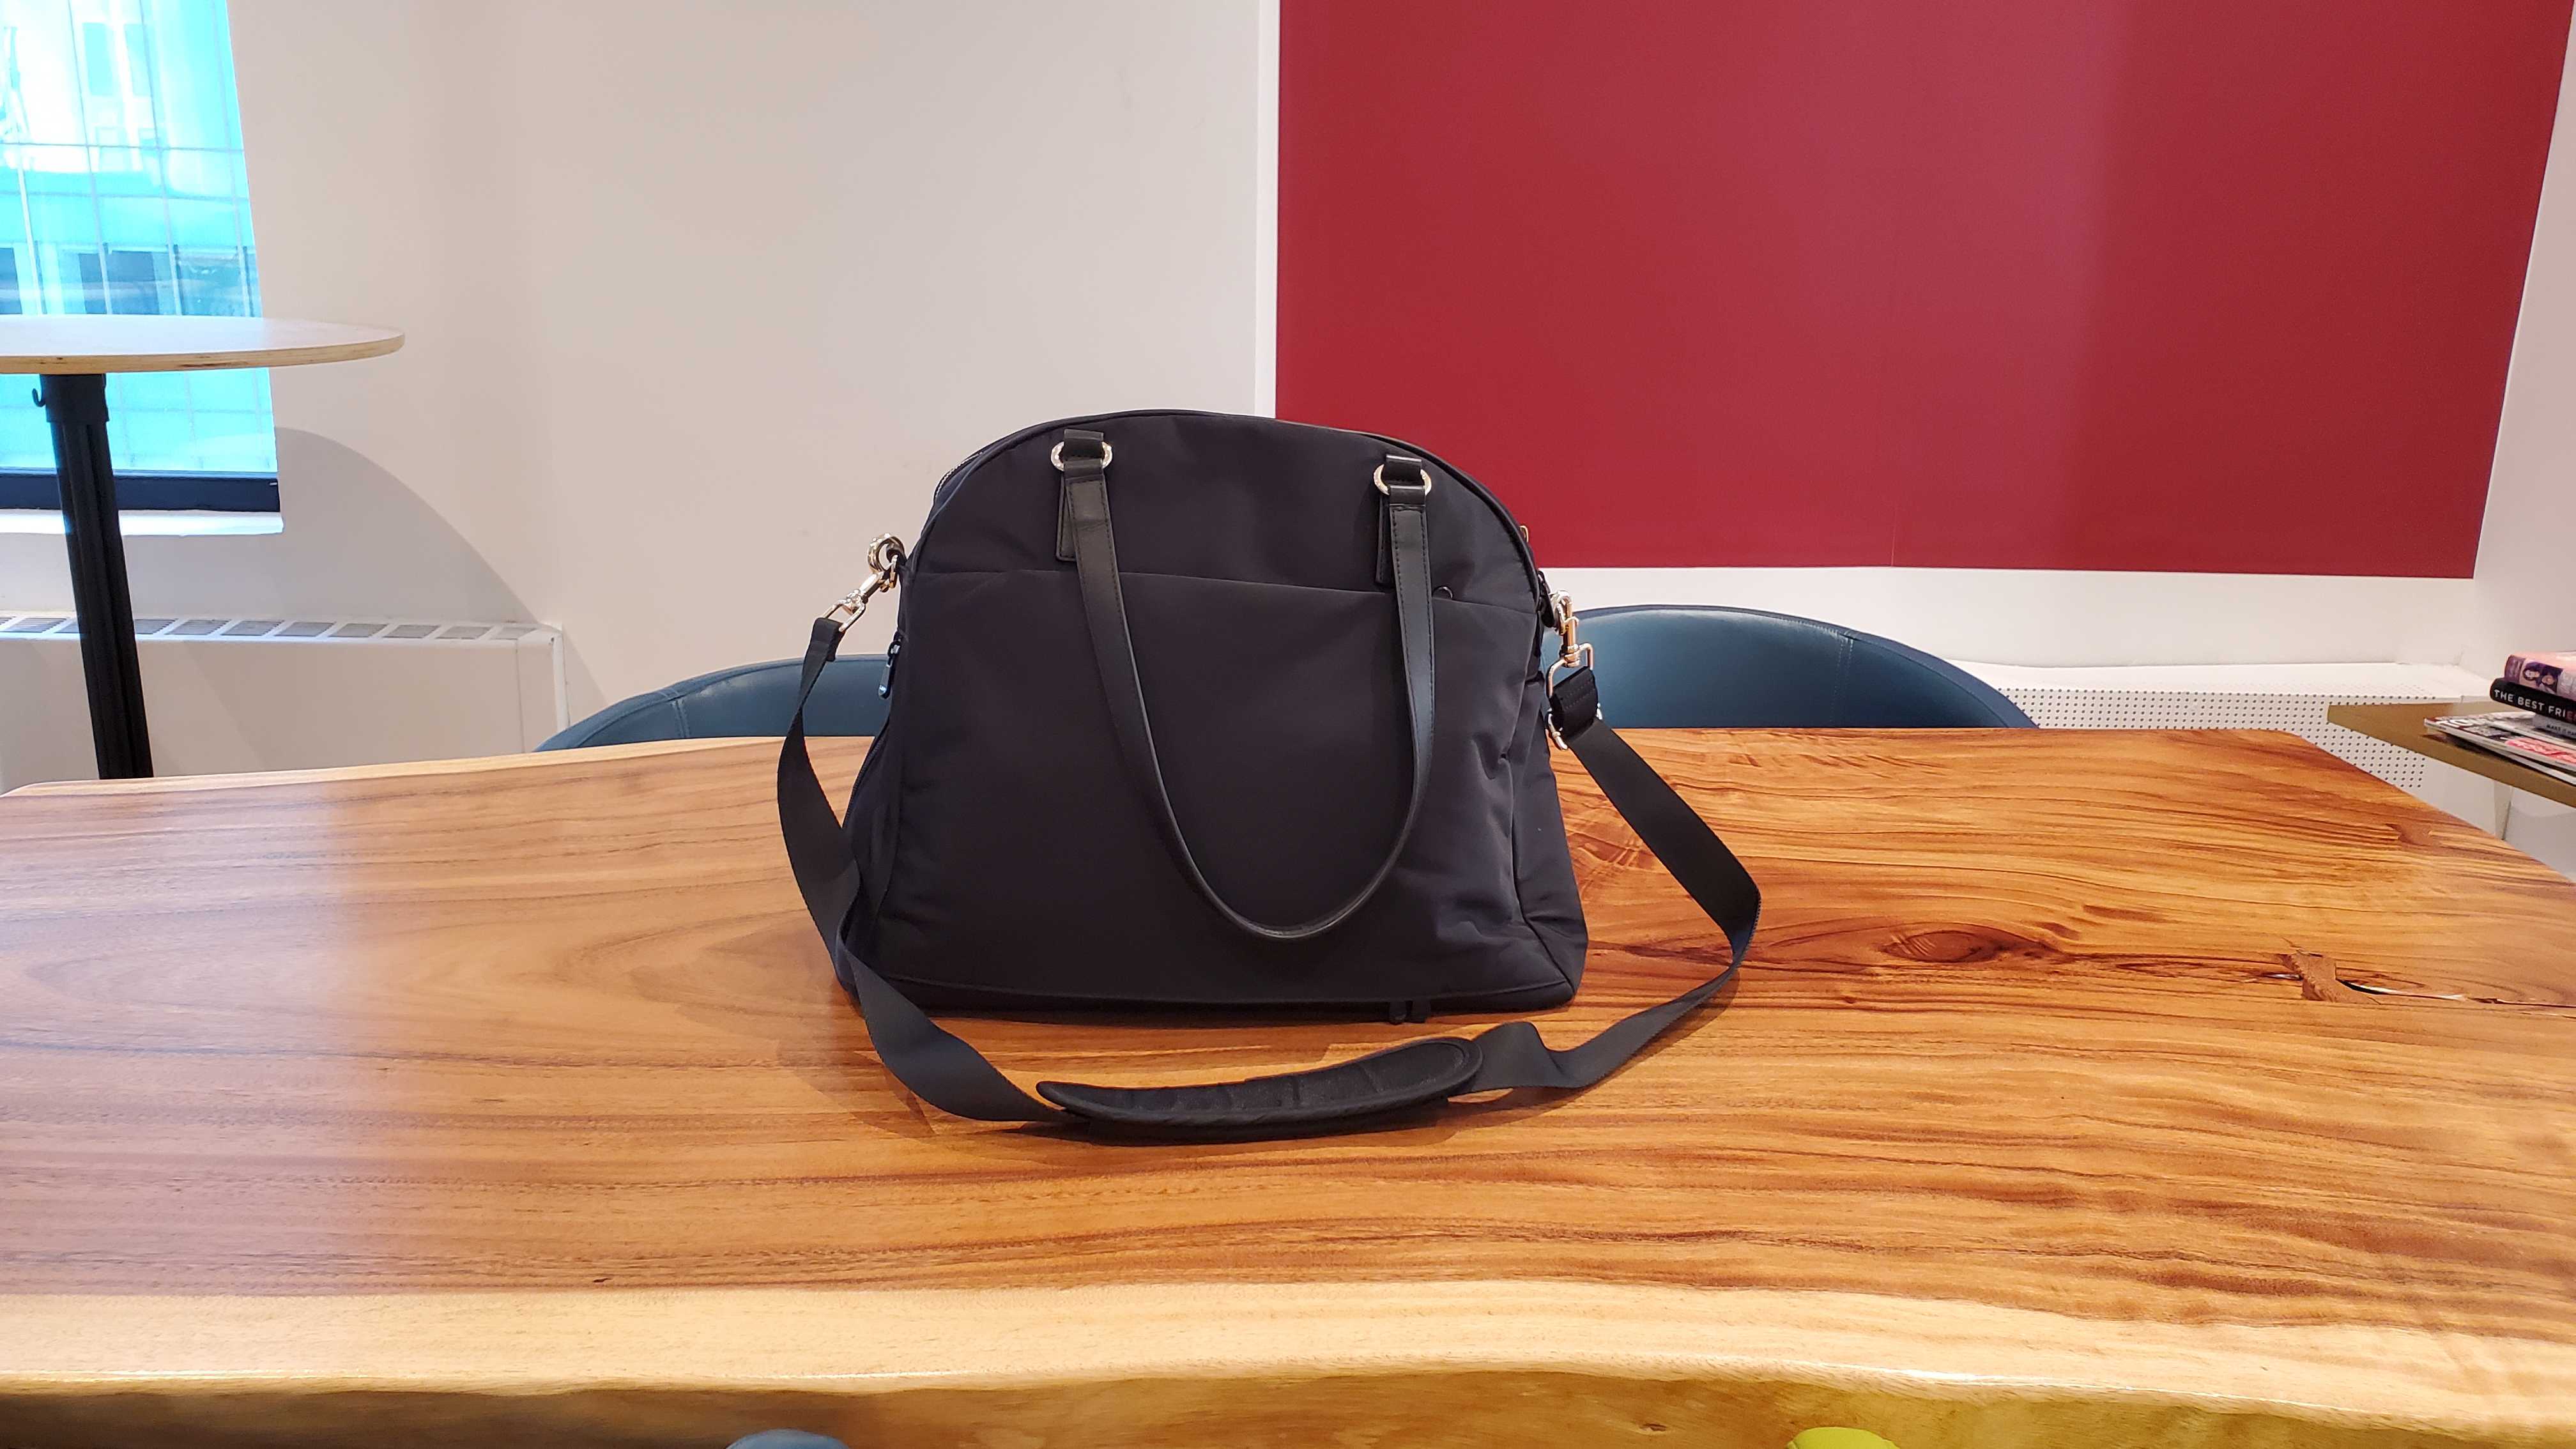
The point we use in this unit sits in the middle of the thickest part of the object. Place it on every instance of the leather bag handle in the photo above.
(1082, 456)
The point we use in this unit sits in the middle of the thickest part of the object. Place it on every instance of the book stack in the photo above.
(2541, 730)
(2544, 684)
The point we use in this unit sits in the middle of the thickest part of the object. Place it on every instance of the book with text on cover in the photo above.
(2543, 673)
(2515, 737)
(2558, 716)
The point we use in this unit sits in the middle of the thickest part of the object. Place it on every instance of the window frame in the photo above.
(29, 490)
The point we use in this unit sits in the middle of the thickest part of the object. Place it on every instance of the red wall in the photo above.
(2154, 284)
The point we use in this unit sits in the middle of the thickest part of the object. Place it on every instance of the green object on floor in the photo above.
(1839, 1439)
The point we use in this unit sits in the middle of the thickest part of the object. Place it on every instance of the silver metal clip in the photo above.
(886, 558)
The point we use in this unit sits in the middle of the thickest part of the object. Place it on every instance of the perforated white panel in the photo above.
(2303, 715)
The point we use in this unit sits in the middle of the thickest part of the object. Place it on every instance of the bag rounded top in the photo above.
(1208, 495)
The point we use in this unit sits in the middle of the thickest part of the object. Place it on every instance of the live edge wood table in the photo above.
(2085, 1089)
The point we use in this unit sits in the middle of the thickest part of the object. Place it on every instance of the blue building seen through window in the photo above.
(122, 190)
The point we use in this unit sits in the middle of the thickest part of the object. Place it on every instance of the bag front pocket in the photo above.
(1031, 858)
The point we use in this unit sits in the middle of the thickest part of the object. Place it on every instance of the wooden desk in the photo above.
(512, 1102)
(2403, 725)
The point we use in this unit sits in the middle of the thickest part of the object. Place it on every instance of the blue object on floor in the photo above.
(1672, 666)
(750, 699)
(786, 1439)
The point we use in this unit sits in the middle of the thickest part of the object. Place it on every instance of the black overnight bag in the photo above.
(1279, 741)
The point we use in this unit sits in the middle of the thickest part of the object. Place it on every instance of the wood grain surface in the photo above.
(2084, 1088)
(181, 344)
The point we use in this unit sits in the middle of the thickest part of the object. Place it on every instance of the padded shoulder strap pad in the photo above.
(1386, 1081)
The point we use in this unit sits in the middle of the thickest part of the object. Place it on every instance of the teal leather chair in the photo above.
(1671, 666)
(750, 699)
(1660, 666)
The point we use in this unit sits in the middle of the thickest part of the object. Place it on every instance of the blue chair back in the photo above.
(751, 699)
(1660, 666)
(1666, 666)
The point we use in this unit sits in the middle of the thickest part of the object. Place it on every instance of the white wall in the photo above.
(2065, 617)
(366, 170)
(701, 297)
(2526, 583)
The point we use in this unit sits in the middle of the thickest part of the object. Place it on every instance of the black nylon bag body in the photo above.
(1014, 860)
(1190, 711)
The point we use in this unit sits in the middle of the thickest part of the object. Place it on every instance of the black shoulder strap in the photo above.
(952, 1076)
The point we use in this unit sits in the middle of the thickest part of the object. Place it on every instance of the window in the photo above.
(100, 58)
(138, 59)
(122, 190)
(136, 282)
(212, 284)
(89, 280)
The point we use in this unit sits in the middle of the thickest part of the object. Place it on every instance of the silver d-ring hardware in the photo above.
(1570, 656)
(1055, 455)
(1562, 605)
(1579, 657)
(886, 558)
(1379, 477)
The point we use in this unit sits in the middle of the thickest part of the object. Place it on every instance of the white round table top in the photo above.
(181, 344)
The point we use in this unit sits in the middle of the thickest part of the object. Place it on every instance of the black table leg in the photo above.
(76, 404)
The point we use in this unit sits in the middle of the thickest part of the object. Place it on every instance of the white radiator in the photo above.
(2290, 697)
(285, 694)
